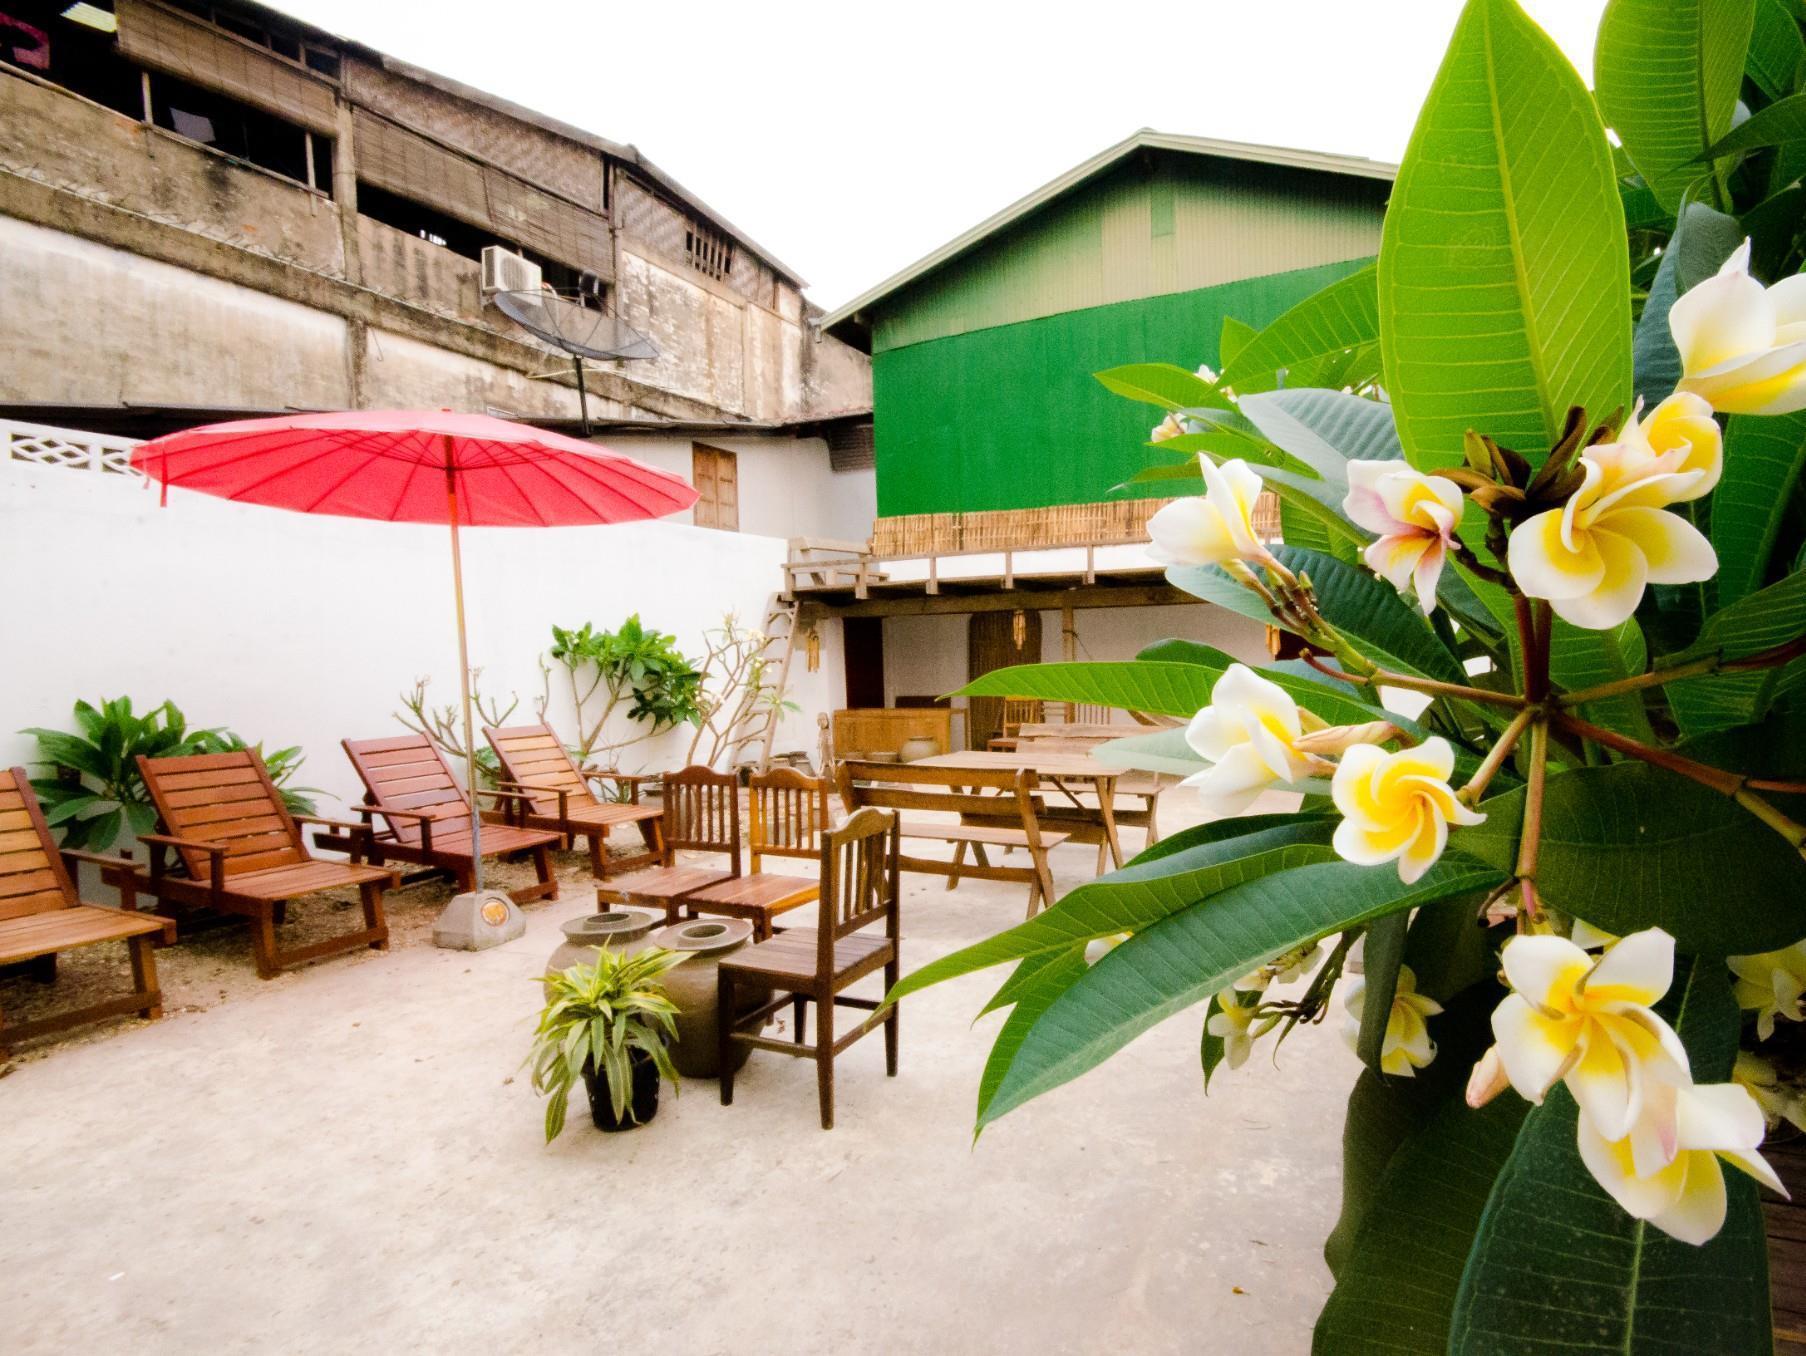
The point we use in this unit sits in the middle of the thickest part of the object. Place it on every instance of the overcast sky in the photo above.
(851, 138)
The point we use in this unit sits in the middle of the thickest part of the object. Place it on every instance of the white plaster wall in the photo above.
(305, 630)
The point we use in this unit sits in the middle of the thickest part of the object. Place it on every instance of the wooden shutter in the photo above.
(395, 159)
(203, 55)
(548, 225)
(716, 475)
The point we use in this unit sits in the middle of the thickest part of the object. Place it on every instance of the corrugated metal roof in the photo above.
(1145, 139)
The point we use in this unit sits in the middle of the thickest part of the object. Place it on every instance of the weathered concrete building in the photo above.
(211, 210)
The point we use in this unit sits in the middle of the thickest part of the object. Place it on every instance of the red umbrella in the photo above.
(417, 466)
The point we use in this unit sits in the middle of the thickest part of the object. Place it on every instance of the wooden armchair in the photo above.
(410, 786)
(242, 852)
(558, 795)
(860, 889)
(40, 913)
(789, 815)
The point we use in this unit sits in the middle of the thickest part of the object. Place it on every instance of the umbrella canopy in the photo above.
(394, 465)
(417, 466)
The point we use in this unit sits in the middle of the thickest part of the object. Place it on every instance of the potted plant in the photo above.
(608, 1023)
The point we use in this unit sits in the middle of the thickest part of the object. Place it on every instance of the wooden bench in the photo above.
(40, 913)
(242, 850)
(1142, 788)
(1001, 800)
(559, 795)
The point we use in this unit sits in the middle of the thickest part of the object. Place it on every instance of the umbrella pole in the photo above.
(470, 747)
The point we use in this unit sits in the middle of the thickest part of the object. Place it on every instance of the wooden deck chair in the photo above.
(40, 914)
(408, 783)
(242, 850)
(859, 873)
(701, 814)
(559, 795)
(788, 816)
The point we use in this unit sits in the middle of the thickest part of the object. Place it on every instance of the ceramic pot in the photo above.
(917, 747)
(642, 1098)
(625, 930)
(705, 941)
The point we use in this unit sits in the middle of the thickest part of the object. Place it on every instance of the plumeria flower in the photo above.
(1488, 1078)
(1215, 527)
(1397, 806)
(1772, 984)
(1684, 1197)
(1172, 426)
(1588, 1022)
(1779, 1101)
(1284, 968)
(1593, 557)
(1407, 1046)
(1743, 345)
(1233, 1024)
(1678, 435)
(1248, 733)
(1415, 515)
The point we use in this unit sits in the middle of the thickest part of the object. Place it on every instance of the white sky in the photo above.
(851, 137)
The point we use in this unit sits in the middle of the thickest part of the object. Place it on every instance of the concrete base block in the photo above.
(477, 921)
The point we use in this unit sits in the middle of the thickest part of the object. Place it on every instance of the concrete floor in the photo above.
(349, 1159)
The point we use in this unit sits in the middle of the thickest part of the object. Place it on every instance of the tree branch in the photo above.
(1766, 659)
(1434, 687)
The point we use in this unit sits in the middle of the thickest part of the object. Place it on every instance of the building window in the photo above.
(270, 33)
(238, 130)
(72, 46)
(716, 475)
(707, 251)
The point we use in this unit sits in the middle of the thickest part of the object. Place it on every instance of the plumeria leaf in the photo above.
(1325, 429)
(1776, 49)
(1233, 339)
(1580, 659)
(1763, 458)
(1758, 621)
(1782, 122)
(1163, 384)
(1163, 751)
(1183, 959)
(1335, 318)
(1211, 1048)
(1702, 240)
(1039, 980)
(1630, 846)
(1381, 954)
(1558, 1267)
(1504, 282)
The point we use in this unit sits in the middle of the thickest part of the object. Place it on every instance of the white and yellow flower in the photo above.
(1676, 437)
(1779, 1099)
(1683, 1195)
(1233, 1024)
(1248, 733)
(1215, 527)
(1173, 426)
(1772, 984)
(1407, 1046)
(1593, 557)
(1588, 1022)
(1743, 345)
(1415, 516)
(1397, 806)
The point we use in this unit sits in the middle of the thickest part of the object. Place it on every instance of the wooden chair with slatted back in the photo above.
(40, 914)
(701, 814)
(412, 789)
(860, 888)
(241, 847)
(789, 813)
(561, 796)
(1088, 713)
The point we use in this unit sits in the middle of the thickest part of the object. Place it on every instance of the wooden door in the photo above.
(863, 644)
(716, 475)
(996, 640)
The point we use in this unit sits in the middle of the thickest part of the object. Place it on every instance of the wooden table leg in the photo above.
(1106, 804)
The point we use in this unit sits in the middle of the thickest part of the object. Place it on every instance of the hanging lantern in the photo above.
(1019, 628)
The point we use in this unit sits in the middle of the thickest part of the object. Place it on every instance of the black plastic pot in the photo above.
(642, 1100)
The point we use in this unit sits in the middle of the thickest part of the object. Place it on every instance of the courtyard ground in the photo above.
(349, 1159)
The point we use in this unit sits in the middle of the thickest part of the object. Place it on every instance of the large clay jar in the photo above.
(705, 941)
(918, 747)
(625, 930)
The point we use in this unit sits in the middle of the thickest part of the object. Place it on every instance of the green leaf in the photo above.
(1776, 49)
(1780, 124)
(1558, 1267)
(1504, 282)
(1341, 316)
(1300, 527)
(1381, 955)
(1667, 74)
(1360, 604)
(1758, 621)
(1763, 457)
(1325, 429)
(1183, 959)
(1702, 240)
(1581, 659)
(1137, 896)
(1163, 751)
(1162, 384)
(1043, 978)
(1630, 846)
(1232, 339)
(1212, 1049)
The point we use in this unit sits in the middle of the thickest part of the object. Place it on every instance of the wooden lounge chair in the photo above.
(559, 796)
(242, 849)
(410, 785)
(1009, 816)
(41, 915)
(859, 872)
(789, 815)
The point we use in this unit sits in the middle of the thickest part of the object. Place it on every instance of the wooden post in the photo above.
(1069, 635)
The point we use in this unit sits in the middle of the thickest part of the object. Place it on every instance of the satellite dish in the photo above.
(581, 331)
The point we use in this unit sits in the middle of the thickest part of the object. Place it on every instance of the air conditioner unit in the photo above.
(506, 271)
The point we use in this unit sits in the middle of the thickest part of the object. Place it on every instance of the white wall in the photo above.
(786, 486)
(305, 630)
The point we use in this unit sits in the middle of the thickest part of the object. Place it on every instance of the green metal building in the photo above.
(983, 351)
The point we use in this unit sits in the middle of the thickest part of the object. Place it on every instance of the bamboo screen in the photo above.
(167, 41)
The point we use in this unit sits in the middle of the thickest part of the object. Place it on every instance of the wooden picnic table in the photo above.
(1066, 770)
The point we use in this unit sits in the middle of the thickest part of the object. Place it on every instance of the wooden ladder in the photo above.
(780, 629)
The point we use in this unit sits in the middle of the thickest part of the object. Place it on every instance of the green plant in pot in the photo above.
(606, 1023)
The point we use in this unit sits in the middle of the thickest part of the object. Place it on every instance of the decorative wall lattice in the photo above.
(71, 449)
